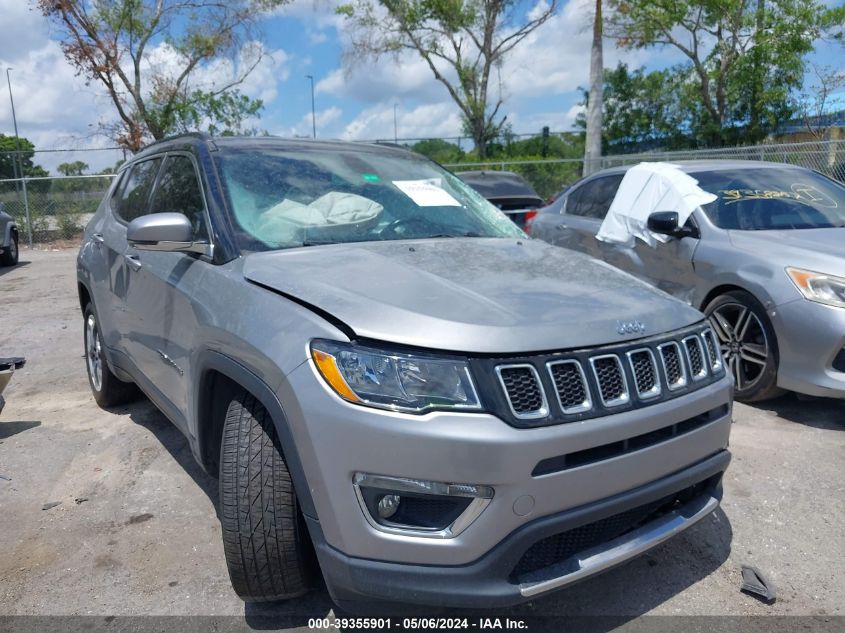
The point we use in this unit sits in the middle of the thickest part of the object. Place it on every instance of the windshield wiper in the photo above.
(466, 234)
(317, 242)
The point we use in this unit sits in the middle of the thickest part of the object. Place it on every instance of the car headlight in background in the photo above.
(390, 380)
(818, 287)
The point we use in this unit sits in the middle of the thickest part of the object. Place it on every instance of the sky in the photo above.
(57, 109)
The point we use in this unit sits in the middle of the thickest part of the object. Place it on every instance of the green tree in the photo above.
(76, 168)
(565, 145)
(745, 57)
(439, 150)
(224, 114)
(646, 110)
(108, 41)
(463, 42)
(11, 160)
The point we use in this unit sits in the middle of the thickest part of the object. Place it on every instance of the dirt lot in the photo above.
(135, 529)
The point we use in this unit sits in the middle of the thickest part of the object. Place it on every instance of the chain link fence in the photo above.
(826, 157)
(548, 177)
(51, 209)
(56, 208)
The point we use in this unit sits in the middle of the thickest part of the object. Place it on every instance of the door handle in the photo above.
(97, 238)
(562, 226)
(134, 262)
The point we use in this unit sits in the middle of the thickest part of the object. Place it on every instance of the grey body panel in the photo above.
(470, 295)
(172, 320)
(7, 226)
(695, 270)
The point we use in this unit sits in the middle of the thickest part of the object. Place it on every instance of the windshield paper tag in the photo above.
(426, 193)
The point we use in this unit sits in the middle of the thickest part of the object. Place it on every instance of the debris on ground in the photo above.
(755, 583)
(6, 477)
(52, 504)
(79, 500)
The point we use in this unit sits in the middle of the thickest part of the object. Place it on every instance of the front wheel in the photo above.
(748, 343)
(268, 552)
(107, 388)
(11, 254)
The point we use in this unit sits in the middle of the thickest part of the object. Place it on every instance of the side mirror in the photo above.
(666, 223)
(170, 232)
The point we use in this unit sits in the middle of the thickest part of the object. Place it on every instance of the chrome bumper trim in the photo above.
(619, 550)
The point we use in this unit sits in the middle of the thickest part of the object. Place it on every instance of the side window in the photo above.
(179, 191)
(135, 190)
(595, 197)
(572, 206)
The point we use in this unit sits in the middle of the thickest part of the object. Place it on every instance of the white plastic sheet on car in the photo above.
(645, 189)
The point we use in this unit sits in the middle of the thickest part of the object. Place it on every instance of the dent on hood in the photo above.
(470, 295)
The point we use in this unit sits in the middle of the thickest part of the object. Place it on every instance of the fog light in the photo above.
(419, 507)
(388, 505)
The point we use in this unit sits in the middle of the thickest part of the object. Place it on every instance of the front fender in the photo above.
(209, 361)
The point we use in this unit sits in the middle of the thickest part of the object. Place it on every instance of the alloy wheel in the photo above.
(744, 344)
(93, 353)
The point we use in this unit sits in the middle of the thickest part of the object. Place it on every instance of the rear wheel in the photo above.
(268, 552)
(10, 256)
(107, 388)
(748, 342)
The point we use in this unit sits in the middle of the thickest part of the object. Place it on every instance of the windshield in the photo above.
(289, 197)
(773, 198)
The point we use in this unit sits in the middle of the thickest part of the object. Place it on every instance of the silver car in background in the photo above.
(764, 262)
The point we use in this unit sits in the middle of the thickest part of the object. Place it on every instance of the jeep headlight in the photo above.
(392, 380)
(818, 287)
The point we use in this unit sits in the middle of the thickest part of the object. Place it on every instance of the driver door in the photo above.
(160, 295)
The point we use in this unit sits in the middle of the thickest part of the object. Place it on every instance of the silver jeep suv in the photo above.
(394, 386)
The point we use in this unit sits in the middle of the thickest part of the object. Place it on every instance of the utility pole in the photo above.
(20, 160)
(313, 113)
(395, 135)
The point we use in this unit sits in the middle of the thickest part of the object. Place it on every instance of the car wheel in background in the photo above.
(748, 342)
(10, 256)
(268, 551)
(107, 388)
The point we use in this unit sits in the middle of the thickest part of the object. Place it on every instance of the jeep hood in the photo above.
(470, 294)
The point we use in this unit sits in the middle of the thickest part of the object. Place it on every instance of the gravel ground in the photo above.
(133, 528)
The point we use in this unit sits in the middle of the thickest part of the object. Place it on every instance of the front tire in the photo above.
(108, 389)
(268, 552)
(749, 345)
(11, 255)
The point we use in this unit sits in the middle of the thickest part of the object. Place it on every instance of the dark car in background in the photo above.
(8, 239)
(508, 191)
(764, 261)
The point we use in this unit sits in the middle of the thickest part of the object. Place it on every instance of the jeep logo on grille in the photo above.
(630, 327)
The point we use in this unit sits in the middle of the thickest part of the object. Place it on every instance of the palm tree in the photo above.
(592, 148)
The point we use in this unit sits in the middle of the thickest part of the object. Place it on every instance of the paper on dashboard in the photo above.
(426, 193)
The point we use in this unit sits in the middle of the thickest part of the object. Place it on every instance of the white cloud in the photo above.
(262, 82)
(434, 120)
(325, 120)
(24, 29)
(318, 16)
(553, 61)
(407, 77)
(557, 120)
(55, 108)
